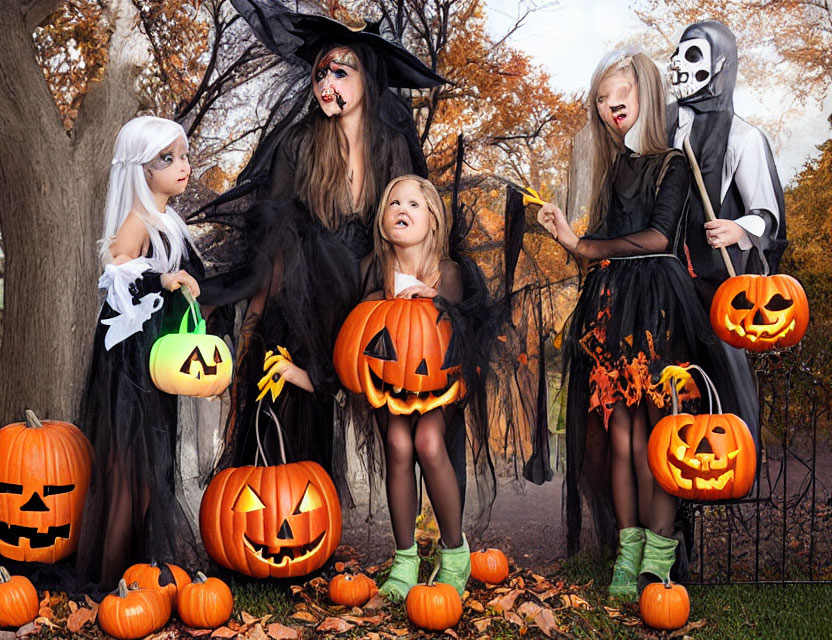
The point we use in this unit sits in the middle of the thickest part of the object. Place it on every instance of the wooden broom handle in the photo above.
(706, 201)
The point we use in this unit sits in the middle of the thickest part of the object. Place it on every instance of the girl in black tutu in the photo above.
(637, 312)
(131, 513)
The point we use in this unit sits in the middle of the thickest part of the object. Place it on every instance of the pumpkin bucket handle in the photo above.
(709, 385)
(193, 307)
(260, 453)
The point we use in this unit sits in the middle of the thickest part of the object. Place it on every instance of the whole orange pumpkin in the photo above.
(18, 600)
(703, 457)
(281, 521)
(205, 603)
(395, 352)
(760, 312)
(44, 475)
(351, 590)
(167, 579)
(434, 606)
(133, 613)
(664, 606)
(489, 565)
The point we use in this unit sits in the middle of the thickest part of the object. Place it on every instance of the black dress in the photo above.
(131, 512)
(637, 312)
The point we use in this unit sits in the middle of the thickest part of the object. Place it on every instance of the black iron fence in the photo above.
(782, 532)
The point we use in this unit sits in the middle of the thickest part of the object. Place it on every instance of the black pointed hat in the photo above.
(303, 35)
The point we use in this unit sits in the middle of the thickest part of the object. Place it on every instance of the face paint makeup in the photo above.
(162, 161)
(328, 94)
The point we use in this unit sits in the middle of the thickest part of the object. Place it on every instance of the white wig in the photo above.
(139, 142)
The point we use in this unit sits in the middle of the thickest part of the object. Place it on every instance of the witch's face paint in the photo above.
(690, 68)
(167, 174)
(617, 101)
(337, 83)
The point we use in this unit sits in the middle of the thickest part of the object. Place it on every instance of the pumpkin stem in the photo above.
(32, 421)
(200, 578)
(435, 571)
(4, 575)
(122, 588)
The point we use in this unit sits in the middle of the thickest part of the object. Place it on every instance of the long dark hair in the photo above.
(321, 180)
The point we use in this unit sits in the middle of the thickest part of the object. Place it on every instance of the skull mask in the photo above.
(690, 67)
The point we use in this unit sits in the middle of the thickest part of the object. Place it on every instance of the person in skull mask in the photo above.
(741, 182)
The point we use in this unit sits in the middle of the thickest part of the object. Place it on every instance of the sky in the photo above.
(568, 40)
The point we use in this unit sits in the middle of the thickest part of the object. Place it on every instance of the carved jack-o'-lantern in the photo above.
(44, 475)
(191, 364)
(760, 312)
(281, 521)
(395, 352)
(704, 457)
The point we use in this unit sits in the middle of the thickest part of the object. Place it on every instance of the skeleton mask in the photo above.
(690, 67)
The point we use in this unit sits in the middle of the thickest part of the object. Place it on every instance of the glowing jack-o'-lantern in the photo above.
(703, 457)
(191, 364)
(760, 312)
(44, 476)
(281, 521)
(395, 352)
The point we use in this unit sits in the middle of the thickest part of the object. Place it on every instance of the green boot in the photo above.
(404, 573)
(659, 556)
(627, 562)
(455, 566)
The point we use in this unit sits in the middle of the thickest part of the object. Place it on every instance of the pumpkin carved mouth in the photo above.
(403, 401)
(758, 331)
(12, 533)
(283, 554)
(703, 470)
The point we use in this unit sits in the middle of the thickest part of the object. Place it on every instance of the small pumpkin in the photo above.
(281, 521)
(351, 590)
(396, 353)
(133, 613)
(18, 600)
(191, 364)
(434, 606)
(167, 579)
(760, 312)
(703, 457)
(664, 605)
(44, 475)
(205, 603)
(489, 565)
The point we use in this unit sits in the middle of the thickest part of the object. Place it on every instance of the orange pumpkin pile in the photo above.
(133, 613)
(205, 603)
(167, 579)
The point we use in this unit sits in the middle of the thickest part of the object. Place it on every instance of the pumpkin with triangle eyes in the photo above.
(760, 312)
(191, 364)
(44, 475)
(396, 353)
(281, 521)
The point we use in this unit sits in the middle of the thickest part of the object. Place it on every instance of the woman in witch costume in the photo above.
(637, 312)
(304, 204)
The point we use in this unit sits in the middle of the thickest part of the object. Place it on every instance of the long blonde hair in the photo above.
(437, 245)
(607, 146)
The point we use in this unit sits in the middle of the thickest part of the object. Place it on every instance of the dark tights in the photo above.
(408, 439)
(637, 498)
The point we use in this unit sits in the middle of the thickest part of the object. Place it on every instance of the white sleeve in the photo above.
(753, 180)
(116, 281)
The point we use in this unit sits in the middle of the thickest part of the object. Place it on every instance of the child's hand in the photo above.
(546, 218)
(172, 281)
(723, 233)
(418, 291)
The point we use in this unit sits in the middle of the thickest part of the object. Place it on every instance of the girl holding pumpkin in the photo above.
(637, 312)
(305, 204)
(131, 513)
(411, 259)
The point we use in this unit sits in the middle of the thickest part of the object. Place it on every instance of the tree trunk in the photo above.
(52, 189)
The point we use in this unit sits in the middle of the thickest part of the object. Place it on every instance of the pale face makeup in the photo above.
(337, 83)
(168, 173)
(407, 220)
(617, 101)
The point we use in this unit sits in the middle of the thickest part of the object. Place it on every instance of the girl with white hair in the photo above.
(131, 514)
